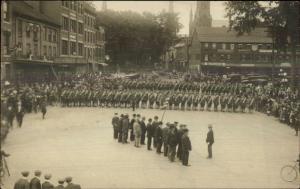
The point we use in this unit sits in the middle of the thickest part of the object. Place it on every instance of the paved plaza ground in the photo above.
(249, 151)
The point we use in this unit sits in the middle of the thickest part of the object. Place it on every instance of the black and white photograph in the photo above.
(150, 94)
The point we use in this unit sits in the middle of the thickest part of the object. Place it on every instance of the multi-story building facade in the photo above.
(6, 37)
(70, 15)
(100, 45)
(217, 49)
(90, 36)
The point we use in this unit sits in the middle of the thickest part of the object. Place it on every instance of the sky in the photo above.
(182, 7)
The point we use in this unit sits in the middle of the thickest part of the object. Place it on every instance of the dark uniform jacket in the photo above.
(22, 184)
(125, 125)
(150, 130)
(158, 134)
(47, 185)
(59, 187)
(172, 139)
(115, 122)
(186, 143)
(35, 183)
(210, 137)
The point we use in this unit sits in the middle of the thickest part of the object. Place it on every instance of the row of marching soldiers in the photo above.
(36, 183)
(177, 100)
(175, 142)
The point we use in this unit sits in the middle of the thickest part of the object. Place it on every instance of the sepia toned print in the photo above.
(150, 94)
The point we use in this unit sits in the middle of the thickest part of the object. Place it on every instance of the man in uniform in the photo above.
(20, 113)
(23, 183)
(165, 133)
(115, 123)
(71, 185)
(60, 184)
(144, 129)
(131, 127)
(150, 133)
(172, 142)
(137, 132)
(35, 182)
(179, 137)
(186, 147)
(43, 107)
(155, 125)
(159, 137)
(125, 127)
(210, 140)
(120, 134)
(47, 184)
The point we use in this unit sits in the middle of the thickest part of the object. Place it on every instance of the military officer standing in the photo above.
(210, 140)
(115, 123)
(137, 133)
(150, 133)
(159, 137)
(143, 128)
(35, 182)
(23, 183)
(186, 147)
(125, 126)
(20, 113)
(155, 125)
(165, 133)
(172, 142)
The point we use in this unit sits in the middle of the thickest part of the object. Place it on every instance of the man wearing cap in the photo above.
(35, 182)
(137, 132)
(150, 133)
(60, 184)
(180, 132)
(144, 129)
(210, 140)
(131, 127)
(120, 128)
(70, 185)
(155, 125)
(159, 137)
(23, 183)
(47, 184)
(125, 126)
(20, 113)
(186, 147)
(165, 133)
(172, 142)
(115, 123)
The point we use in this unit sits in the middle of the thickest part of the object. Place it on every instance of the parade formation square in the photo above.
(249, 150)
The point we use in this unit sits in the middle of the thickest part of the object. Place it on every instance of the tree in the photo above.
(137, 38)
(281, 18)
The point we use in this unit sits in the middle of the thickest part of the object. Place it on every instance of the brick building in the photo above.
(215, 49)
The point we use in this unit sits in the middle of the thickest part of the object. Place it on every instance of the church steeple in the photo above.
(202, 16)
(171, 6)
(104, 6)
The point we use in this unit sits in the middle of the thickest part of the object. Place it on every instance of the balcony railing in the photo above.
(32, 57)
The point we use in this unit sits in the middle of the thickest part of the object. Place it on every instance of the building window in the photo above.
(35, 36)
(73, 26)
(73, 48)
(6, 42)
(35, 50)
(214, 45)
(65, 23)
(243, 58)
(28, 49)
(228, 57)
(54, 51)
(50, 36)
(80, 28)
(224, 46)
(28, 31)
(206, 58)
(45, 34)
(5, 6)
(45, 50)
(80, 49)
(50, 51)
(232, 46)
(64, 47)
(20, 28)
(85, 33)
(54, 37)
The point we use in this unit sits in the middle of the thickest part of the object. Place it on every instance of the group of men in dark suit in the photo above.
(175, 142)
(35, 182)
